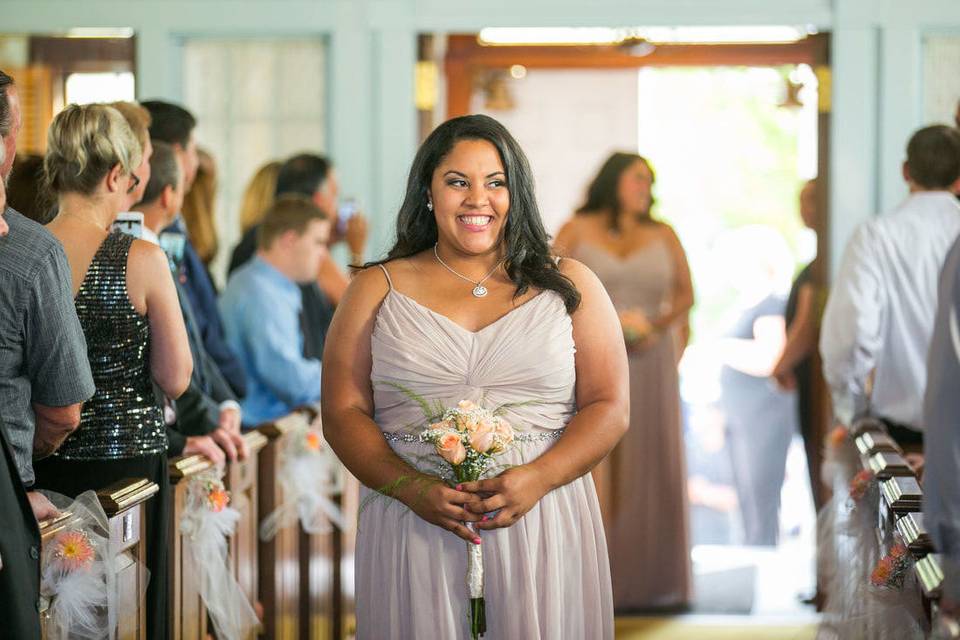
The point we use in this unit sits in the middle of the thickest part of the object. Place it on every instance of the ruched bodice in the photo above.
(410, 574)
(526, 356)
(643, 279)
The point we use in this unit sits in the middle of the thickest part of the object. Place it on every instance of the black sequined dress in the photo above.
(121, 433)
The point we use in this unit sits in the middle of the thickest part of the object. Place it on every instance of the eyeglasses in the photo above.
(136, 183)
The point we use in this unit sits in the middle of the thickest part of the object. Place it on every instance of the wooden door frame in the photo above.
(465, 58)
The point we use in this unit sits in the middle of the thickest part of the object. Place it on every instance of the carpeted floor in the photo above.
(696, 627)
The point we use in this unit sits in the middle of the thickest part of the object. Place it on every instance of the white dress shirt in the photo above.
(881, 309)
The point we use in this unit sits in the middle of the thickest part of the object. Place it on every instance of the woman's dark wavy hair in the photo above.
(602, 194)
(528, 260)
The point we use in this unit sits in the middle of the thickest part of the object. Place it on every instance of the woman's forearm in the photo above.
(360, 446)
(802, 333)
(588, 438)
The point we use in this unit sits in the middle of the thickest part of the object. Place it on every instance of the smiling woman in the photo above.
(470, 305)
(470, 192)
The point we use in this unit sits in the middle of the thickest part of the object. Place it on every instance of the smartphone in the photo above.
(347, 209)
(129, 222)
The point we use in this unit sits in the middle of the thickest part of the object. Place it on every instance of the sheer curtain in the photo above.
(255, 100)
(941, 84)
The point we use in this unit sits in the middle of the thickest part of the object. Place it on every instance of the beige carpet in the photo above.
(697, 628)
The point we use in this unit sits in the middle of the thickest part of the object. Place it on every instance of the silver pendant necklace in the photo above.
(479, 291)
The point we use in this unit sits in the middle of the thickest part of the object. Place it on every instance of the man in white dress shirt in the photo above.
(879, 317)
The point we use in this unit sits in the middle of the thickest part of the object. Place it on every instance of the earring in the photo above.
(429, 206)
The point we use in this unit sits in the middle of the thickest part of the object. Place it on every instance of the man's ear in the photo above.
(116, 179)
(166, 197)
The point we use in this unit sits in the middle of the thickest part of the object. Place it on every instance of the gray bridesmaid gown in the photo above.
(642, 483)
(548, 575)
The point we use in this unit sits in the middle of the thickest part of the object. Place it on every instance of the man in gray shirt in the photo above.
(941, 417)
(44, 373)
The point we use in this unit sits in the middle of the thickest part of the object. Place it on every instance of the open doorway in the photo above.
(732, 121)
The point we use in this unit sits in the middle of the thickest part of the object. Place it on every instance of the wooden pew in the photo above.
(241, 480)
(318, 596)
(123, 504)
(279, 558)
(326, 578)
(189, 615)
(346, 543)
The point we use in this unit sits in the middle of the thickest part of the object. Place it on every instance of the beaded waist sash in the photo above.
(539, 436)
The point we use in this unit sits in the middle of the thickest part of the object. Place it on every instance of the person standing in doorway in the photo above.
(642, 483)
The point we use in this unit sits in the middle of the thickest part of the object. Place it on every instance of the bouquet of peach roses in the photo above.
(468, 437)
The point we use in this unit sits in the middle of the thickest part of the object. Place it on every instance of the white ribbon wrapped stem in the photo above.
(474, 567)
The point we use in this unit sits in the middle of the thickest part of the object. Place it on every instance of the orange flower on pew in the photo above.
(891, 569)
(860, 483)
(218, 499)
(838, 436)
(882, 572)
(312, 440)
(73, 551)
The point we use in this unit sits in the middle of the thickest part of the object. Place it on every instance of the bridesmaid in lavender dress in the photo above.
(642, 483)
(470, 305)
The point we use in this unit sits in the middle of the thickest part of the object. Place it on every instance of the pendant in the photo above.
(480, 291)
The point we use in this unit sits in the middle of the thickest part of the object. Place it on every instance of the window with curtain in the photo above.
(255, 100)
(941, 84)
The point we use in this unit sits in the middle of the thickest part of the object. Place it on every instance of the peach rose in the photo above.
(451, 448)
(483, 437)
(466, 405)
(441, 426)
(504, 432)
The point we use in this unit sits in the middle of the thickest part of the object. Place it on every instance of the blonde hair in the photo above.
(137, 117)
(84, 143)
(198, 212)
(259, 195)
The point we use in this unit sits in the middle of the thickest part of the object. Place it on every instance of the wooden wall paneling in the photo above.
(35, 87)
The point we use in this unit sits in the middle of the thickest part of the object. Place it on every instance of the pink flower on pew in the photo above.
(73, 551)
(860, 483)
(898, 551)
(838, 436)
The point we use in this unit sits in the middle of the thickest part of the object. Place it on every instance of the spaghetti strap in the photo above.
(387, 274)
(556, 260)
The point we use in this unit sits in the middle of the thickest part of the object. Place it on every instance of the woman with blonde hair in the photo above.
(642, 483)
(198, 209)
(130, 315)
(259, 195)
(257, 198)
(138, 119)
